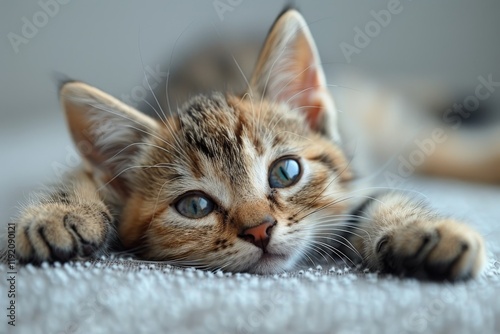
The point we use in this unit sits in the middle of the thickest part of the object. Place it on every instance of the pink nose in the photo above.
(259, 235)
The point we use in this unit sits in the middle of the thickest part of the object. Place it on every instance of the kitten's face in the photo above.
(236, 183)
(223, 167)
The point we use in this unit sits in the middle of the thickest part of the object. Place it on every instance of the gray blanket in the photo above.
(125, 296)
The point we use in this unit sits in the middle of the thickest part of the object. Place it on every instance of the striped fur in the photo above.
(223, 146)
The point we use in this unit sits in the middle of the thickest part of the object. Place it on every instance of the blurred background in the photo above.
(432, 53)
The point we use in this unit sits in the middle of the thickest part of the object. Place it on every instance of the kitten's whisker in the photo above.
(340, 217)
(318, 250)
(123, 171)
(271, 127)
(111, 111)
(177, 150)
(141, 143)
(167, 122)
(310, 248)
(304, 253)
(155, 207)
(394, 189)
(235, 62)
(326, 187)
(164, 118)
(151, 132)
(339, 253)
(328, 229)
(337, 201)
(348, 244)
(170, 65)
(291, 133)
(335, 251)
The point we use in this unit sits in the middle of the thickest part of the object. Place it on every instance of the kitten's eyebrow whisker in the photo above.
(300, 107)
(318, 86)
(170, 64)
(167, 95)
(291, 133)
(167, 124)
(149, 133)
(123, 171)
(149, 86)
(111, 111)
(180, 153)
(235, 62)
(303, 107)
(345, 87)
(147, 80)
(273, 126)
(143, 143)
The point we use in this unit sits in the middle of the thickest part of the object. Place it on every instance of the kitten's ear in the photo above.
(289, 70)
(104, 129)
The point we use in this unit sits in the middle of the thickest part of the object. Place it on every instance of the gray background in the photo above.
(451, 42)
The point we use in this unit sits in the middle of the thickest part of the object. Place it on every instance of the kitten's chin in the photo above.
(271, 264)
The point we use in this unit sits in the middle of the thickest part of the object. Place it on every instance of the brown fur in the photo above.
(223, 147)
(406, 237)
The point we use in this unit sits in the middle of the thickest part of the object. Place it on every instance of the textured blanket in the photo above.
(125, 296)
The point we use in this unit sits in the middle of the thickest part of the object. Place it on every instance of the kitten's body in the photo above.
(240, 183)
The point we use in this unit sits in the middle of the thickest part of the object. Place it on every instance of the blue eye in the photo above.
(194, 206)
(284, 173)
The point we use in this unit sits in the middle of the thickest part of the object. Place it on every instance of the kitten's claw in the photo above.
(61, 232)
(443, 250)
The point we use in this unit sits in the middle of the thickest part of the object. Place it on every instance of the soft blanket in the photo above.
(116, 295)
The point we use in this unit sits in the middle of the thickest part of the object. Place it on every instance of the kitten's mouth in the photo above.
(270, 263)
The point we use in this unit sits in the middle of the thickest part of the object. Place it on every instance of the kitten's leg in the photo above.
(401, 236)
(67, 222)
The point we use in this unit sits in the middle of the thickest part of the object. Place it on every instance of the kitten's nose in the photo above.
(259, 235)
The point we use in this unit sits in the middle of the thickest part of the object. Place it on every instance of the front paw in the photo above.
(439, 250)
(61, 232)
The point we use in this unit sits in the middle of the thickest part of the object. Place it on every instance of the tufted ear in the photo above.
(105, 130)
(289, 71)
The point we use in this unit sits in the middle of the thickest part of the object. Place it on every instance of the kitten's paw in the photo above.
(443, 250)
(61, 232)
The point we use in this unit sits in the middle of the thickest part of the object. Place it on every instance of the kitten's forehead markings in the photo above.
(221, 140)
(208, 125)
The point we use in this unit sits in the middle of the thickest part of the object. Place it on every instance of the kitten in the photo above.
(247, 183)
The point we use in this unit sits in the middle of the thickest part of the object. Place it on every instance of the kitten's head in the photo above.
(241, 183)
